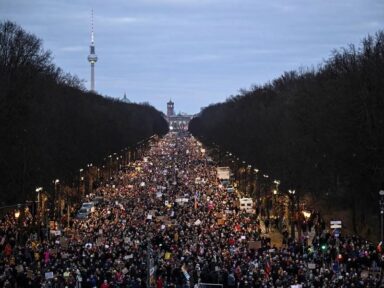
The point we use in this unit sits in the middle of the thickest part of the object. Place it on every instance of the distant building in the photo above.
(125, 99)
(170, 109)
(177, 122)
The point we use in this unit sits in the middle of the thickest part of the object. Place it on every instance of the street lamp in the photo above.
(79, 188)
(276, 190)
(89, 178)
(110, 167)
(17, 212)
(17, 217)
(263, 184)
(249, 181)
(55, 182)
(255, 185)
(275, 201)
(38, 191)
(292, 198)
(381, 202)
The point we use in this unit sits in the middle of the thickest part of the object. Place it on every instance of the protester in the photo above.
(167, 220)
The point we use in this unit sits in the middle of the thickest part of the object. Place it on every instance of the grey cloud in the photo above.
(196, 52)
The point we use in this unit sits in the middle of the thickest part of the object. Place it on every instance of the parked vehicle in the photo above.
(225, 182)
(247, 205)
(97, 200)
(89, 205)
(223, 173)
(83, 213)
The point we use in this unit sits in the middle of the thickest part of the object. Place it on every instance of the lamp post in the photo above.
(55, 213)
(68, 208)
(243, 175)
(78, 188)
(381, 202)
(118, 161)
(17, 217)
(110, 167)
(17, 212)
(275, 201)
(255, 194)
(292, 198)
(89, 179)
(275, 192)
(38, 191)
(248, 180)
(115, 163)
(264, 194)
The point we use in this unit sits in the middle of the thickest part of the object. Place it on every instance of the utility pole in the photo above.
(381, 203)
(292, 200)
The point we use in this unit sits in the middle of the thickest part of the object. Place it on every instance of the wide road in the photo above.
(166, 221)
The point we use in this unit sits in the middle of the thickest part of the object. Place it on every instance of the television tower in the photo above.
(92, 57)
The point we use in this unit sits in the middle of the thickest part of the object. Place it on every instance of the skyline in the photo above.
(193, 52)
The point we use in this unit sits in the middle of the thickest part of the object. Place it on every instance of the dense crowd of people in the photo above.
(167, 221)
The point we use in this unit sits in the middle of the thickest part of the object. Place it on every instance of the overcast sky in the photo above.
(196, 52)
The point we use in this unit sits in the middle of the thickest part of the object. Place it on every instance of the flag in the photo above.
(379, 247)
(196, 196)
(267, 268)
(185, 273)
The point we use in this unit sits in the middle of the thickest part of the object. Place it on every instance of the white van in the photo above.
(247, 205)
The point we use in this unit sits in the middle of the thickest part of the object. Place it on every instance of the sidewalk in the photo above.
(277, 237)
(274, 234)
(310, 235)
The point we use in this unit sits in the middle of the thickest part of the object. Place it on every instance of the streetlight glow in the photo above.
(17, 212)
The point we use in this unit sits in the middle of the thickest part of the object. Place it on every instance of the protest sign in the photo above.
(254, 245)
(48, 275)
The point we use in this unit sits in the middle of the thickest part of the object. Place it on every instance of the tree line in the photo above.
(320, 131)
(50, 125)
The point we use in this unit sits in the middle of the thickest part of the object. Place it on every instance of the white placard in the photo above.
(338, 222)
(197, 222)
(48, 275)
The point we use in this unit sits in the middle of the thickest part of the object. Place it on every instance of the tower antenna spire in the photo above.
(92, 39)
(92, 57)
